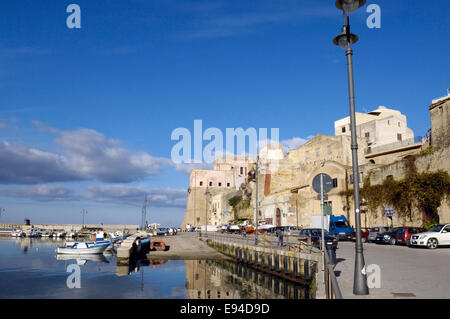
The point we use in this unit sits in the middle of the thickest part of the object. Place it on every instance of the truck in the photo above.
(335, 225)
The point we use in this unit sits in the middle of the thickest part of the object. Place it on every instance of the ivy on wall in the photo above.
(423, 191)
(238, 204)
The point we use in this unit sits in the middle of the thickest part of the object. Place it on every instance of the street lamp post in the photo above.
(207, 193)
(254, 177)
(345, 40)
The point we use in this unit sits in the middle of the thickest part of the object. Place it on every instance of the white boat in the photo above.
(18, 233)
(84, 248)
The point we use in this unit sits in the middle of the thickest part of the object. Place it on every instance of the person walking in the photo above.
(280, 237)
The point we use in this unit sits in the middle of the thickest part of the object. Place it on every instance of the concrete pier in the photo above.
(185, 246)
(296, 266)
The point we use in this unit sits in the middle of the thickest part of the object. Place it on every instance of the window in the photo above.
(335, 182)
(389, 122)
(343, 129)
(220, 184)
(307, 155)
(228, 184)
(210, 183)
(441, 110)
(367, 134)
(361, 177)
(242, 170)
(201, 183)
(329, 149)
(318, 152)
(398, 124)
(399, 137)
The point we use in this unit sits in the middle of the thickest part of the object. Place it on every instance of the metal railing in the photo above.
(332, 289)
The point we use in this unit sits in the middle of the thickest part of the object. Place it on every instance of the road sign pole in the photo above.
(322, 222)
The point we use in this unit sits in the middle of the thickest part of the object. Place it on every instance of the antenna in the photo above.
(144, 213)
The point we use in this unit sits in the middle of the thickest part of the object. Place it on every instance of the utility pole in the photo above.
(83, 212)
(144, 213)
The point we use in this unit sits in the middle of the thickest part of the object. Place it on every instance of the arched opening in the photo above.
(372, 161)
(278, 218)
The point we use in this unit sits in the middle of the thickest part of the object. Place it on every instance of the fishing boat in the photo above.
(18, 233)
(84, 248)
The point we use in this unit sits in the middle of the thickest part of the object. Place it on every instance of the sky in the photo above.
(86, 114)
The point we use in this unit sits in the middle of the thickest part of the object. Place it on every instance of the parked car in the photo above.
(404, 234)
(388, 237)
(162, 231)
(316, 236)
(438, 235)
(233, 229)
(364, 235)
(375, 231)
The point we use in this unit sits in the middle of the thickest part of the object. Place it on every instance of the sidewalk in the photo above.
(405, 272)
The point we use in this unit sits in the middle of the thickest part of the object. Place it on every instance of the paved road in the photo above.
(419, 271)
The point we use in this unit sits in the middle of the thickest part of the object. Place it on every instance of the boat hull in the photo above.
(82, 251)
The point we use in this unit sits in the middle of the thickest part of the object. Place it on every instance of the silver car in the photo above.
(375, 231)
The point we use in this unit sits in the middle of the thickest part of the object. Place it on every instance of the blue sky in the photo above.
(86, 114)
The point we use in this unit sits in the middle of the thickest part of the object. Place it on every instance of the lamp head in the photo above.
(349, 6)
(342, 39)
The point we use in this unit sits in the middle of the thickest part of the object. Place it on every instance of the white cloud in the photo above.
(294, 143)
(128, 195)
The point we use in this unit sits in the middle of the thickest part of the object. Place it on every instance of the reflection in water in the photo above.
(228, 280)
(41, 273)
(82, 259)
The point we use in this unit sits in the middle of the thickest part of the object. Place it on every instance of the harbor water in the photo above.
(30, 268)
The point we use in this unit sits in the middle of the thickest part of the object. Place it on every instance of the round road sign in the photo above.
(327, 183)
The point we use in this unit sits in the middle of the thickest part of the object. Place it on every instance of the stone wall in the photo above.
(440, 122)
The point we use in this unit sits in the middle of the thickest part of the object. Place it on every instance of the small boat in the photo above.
(34, 234)
(84, 248)
(18, 233)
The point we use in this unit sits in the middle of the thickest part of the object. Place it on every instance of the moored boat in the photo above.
(18, 233)
(84, 248)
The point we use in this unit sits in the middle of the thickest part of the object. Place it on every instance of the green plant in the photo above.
(429, 150)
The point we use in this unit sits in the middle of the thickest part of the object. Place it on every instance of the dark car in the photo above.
(376, 231)
(316, 236)
(364, 235)
(404, 234)
(387, 237)
(162, 231)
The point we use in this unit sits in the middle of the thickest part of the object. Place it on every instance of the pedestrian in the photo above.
(280, 237)
(244, 234)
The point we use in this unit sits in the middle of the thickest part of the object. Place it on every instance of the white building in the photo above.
(382, 128)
